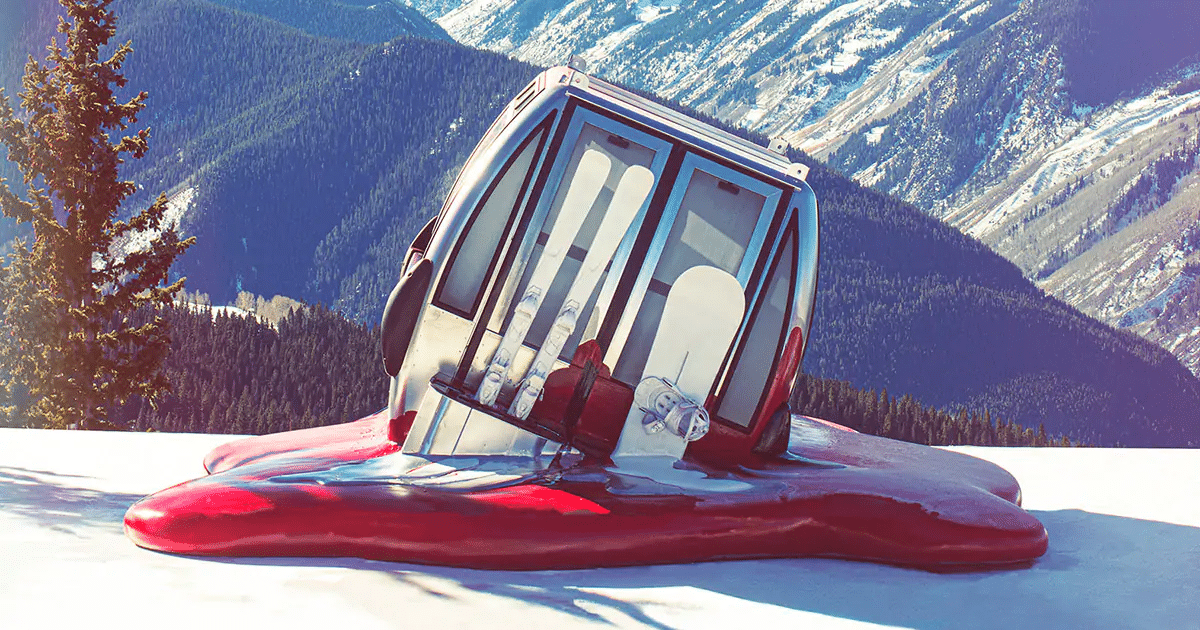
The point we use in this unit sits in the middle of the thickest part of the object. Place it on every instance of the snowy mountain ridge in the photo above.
(775, 66)
(985, 113)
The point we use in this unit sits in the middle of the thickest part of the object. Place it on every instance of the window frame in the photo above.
(692, 162)
(790, 231)
(579, 117)
(540, 133)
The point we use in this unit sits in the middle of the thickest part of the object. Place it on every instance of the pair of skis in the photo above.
(590, 176)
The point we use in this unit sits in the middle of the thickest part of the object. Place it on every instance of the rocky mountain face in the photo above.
(775, 66)
(1079, 171)
(1061, 133)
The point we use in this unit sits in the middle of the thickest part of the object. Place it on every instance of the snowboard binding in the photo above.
(667, 409)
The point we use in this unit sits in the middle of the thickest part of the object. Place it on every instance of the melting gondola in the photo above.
(591, 350)
(531, 305)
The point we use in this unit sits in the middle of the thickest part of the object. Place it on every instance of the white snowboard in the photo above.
(583, 190)
(702, 314)
(627, 200)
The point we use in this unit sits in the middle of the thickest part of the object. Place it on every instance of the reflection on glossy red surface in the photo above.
(842, 494)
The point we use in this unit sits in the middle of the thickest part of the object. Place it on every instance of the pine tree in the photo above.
(67, 298)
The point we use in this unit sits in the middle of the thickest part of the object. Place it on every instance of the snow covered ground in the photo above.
(1124, 552)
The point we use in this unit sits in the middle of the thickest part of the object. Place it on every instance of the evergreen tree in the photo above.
(66, 298)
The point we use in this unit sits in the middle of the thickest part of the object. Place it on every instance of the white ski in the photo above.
(627, 200)
(584, 188)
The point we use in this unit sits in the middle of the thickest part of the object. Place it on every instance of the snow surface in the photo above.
(1124, 552)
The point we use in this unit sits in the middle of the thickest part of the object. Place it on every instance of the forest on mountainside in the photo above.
(1097, 37)
(312, 169)
(904, 418)
(233, 373)
(367, 21)
(314, 161)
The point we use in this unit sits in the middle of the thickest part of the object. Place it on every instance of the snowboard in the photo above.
(583, 191)
(702, 314)
(627, 200)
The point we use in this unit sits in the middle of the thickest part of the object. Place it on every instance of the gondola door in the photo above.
(623, 148)
(602, 165)
(717, 218)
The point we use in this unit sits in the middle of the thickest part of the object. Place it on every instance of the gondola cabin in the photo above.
(607, 277)
(591, 350)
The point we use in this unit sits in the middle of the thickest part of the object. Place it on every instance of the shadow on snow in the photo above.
(1100, 571)
(55, 501)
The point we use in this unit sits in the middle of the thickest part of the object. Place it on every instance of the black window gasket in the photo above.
(641, 245)
(517, 235)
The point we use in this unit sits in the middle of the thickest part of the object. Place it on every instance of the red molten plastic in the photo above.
(844, 495)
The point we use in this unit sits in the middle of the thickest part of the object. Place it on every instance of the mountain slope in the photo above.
(773, 65)
(1039, 127)
(364, 21)
(952, 323)
(304, 165)
(1091, 200)
(300, 152)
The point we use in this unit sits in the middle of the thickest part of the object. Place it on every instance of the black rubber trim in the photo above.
(765, 254)
(792, 232)
(400, 316)
(618, 141)
(537, 133)
(659, 287)
(760, 268)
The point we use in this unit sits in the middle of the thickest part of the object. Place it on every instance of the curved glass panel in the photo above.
(763, 340)
(477, 249)
(622, 153)
(714, 226)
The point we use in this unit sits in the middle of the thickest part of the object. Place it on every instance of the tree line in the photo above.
(236, 373)
(232, 373)
(904, 418)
